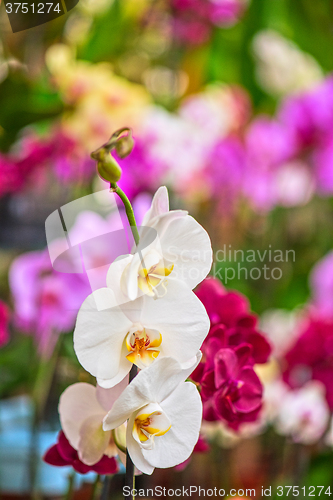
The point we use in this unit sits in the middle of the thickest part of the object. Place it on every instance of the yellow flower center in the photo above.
(149, 423)
(150, 279)
(140, 344)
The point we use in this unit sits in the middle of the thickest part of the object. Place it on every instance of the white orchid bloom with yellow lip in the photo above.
(172, 244)
(109, 339)
(164, 416)
(82, 408)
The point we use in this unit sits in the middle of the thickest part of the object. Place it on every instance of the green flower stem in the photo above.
(129, 476)
(70, 488)
(129, 211)
(95, 487)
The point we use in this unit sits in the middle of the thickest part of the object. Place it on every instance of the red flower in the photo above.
(63, 454)
(231, 321)
(230, 388)
(311, 357)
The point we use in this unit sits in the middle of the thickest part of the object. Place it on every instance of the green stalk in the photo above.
(129, 476)
(129, 211)
(70, 489)
(95, 487)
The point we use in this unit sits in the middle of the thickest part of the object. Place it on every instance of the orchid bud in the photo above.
(107, 167)
(124, 145)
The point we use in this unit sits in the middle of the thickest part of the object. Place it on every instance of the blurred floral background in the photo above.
(231, 106)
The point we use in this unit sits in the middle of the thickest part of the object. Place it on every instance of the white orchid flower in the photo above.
(109, 339)
(303, 413)
(172, 244)
(82, 408)
(164, 415)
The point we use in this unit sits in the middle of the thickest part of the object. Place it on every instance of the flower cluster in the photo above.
(147, 316)
(302, 414)
(194, 20)
(212, 141)
(32, 158)
(230, 388)
(45, 301)
(310, 358)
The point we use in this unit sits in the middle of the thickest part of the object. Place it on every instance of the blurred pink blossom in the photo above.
(311, 356)
(267, 145)
(32, 156)
(4, 319)
(194, 19)
(45, 301)
(321, 283)
(303, 414)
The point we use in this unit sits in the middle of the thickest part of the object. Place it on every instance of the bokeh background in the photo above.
(231, 106)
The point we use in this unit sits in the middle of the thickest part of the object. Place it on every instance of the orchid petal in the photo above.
(166, 373)
(107, 465)
(159, 206)
(183, 324)
(53, 457)
(107, 397)
(99, 334)
(93, 440)
(190, 365)
(187, 244)
(226, 366)
(123, 370)
(135, 450)
(77, 404)
(184, 409)
(115, 278)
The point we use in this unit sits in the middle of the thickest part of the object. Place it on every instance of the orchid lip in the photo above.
(141, 344)
(151, 278)
(150, 422)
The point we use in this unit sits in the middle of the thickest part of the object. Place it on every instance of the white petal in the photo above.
(181, 319)
(153, 384)
(184, 410)
(93, 440)
(187, 245)
(161, 223)
(135, 450)
(115, 278)
(77, 404)
(123, 370)
(99, 335)
(107, 397)
(189, 366)
(159, 205)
